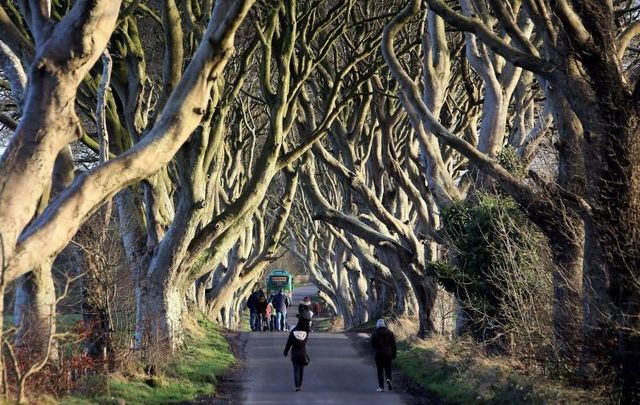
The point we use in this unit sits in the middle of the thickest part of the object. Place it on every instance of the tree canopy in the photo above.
(449, 161)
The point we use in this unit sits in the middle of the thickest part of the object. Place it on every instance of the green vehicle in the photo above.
(278, 279)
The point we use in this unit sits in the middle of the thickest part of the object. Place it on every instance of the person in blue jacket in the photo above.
(280, 304)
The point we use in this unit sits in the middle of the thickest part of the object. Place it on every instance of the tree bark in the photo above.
(63, 61)
(612, 256)
(159, 329)
(35, 311)
(181, 115)
(566, 232)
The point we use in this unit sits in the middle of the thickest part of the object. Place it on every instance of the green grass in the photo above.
(190, 374)
(64, 322)
(460, 377)
(244, 321)
(322, 325)
(328, 324)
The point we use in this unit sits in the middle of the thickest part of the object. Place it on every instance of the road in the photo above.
(337, 373)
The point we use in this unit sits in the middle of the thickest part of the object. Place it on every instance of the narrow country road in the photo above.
(337, 373)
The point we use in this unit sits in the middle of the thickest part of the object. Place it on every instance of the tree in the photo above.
(65, 51)
(579, 37)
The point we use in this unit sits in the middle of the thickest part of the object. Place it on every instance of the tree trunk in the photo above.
(160, 302)
(98, 321)
(35, 310)
(344, 298)
(236, 313)
(222, 295)
(426, 292)
(568, 254)
(159, 328)
(565, 231)
(329, 300)
(35, 307)
(612, 256)
(202, 285)
(359, 286)
(217, 306)
(3, 371)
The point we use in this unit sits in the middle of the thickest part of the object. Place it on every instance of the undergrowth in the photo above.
(459, 373)
(189, 374)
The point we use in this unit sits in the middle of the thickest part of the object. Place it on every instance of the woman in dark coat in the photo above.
(304, 312)
(297, 343)
(384, 344)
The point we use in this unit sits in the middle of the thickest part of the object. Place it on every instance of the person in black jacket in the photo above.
(297, 342)
(384, 344)
(261, 309)
(253, 314)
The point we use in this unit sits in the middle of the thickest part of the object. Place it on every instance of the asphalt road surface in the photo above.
(337, 373)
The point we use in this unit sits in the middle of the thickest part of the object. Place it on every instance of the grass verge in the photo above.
(328, 324)
(458, 373)
(190, 374)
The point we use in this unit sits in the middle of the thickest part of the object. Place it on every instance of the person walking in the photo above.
(271, 315)
(261, 308)
(384, 345)
(297, 342)
(304, 309)
(280, 303)
(253, 313)
(315, 307)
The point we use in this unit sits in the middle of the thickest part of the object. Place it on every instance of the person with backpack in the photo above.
(280, 304)
(383, 343)
(297, 343)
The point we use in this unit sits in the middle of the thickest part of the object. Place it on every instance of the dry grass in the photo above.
(404, 329)
(460, 372)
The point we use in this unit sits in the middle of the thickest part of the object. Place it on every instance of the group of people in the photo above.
(383, 343)
(268, 314)
(271, 314)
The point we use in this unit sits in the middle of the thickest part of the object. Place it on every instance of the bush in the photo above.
(498, 269)
(156, 382)
(93, 385)
(510, 160)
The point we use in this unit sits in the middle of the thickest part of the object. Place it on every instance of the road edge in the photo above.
(229, 385)
(410, 391)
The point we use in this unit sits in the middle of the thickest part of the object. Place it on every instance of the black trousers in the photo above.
(298, 373)
(383, 364)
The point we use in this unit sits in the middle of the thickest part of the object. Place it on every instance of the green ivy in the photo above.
(510, 160)
(488, 238)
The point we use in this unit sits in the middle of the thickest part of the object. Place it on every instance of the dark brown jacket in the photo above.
(261, 306)
(383, 343)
